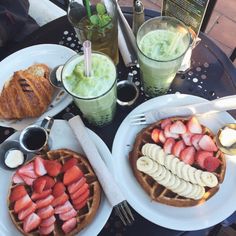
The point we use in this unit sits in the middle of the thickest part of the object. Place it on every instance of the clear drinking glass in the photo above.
(162, 43)
(96, 95)
(101, 28)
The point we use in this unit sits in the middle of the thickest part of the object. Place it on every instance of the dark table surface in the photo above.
(211, 75)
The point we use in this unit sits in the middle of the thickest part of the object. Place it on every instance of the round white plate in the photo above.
(62, 137)
(215, 210)
(49, 54)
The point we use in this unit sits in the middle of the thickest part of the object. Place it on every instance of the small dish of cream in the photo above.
(11, 155)
(226, 139)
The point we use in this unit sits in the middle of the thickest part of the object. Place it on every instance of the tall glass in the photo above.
(101, 28)
(162, 43)
(96, 95)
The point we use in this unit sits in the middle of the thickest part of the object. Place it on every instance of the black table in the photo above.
(212, 75)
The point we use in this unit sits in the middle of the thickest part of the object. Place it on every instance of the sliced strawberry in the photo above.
(72, 188)
(178, 127)
(63, 208)
(195, 140)
(72, 175)
(47, 222)
(168, 134)
(46, 230)
(38, 196)
(29, 181)
(39, 185)
(45, 212)
(53, 167)
(206, 143)
(28, 170)
(162, 136)
(155, 135)
(201, 156)
(44, 202)
(211, 163)
(60, 200)
(22, 203)
(165, 122)
(49, 182)
(187, 155)
(187, 138)
(31, 222)
(168, 145)
(39, 166)
(194, 126)
(70, 163)
(16, 178)
(81, 205)
(68, 215)
(58, 189)
(69, 225)
(17, 193)
(81, 198)
(79, 191)
(29, 210)
(178, 147)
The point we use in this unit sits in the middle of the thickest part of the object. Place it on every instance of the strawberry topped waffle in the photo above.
(177, 162)
(57, 194)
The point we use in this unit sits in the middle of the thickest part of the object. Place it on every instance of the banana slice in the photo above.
(197, 175)
(191, 175)
(194, 191)
(179, 170)
(181, 187)
(158, 172)
(165, 180)
(168, 161)
(187, 191)
(161, 156)
(174, 163)
(185, 172)
(154, 168)
(144, 164)
(150, 149)
(162, 175)
(209, 179)
(171, 182)
(200, 193)
(177, 184)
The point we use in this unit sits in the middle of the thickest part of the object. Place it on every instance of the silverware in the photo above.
(110, 188)
(221, 104)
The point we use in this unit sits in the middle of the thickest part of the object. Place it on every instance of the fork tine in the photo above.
(118, 212)
(124, 213)
(138, 115)
(139, 123)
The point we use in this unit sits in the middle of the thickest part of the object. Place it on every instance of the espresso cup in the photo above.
(35, 138)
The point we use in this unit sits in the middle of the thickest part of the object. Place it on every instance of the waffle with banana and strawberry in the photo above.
(177, 162)
(54, 194)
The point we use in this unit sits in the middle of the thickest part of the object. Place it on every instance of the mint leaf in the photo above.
(101, 9)
(94, 19)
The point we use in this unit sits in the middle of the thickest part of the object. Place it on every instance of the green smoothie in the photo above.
(160, 53)
(95, 95)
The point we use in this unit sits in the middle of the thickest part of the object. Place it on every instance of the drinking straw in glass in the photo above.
(87, 58)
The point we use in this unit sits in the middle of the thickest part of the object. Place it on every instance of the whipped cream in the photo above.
(14, 158)
(227, 137)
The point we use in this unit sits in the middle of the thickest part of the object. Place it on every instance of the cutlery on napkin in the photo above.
(107, 181)
(207, 107)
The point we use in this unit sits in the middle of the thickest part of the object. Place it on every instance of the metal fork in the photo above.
(206, 107)
(124, 213)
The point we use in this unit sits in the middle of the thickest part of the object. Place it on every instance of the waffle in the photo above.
(158, 192)
(86, 214)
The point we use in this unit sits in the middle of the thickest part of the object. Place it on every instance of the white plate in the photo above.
(49, 54)
(215, 210)
(62, 137)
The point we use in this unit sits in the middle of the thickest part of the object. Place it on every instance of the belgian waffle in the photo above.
(86, 214)
(158, 192)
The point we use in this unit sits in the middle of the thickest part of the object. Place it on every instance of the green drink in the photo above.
(96, 95)
(162, 43)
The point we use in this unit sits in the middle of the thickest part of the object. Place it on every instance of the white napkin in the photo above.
(107, 181)
(208, 107)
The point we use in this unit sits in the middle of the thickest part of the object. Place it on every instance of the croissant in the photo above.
(27, 94)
